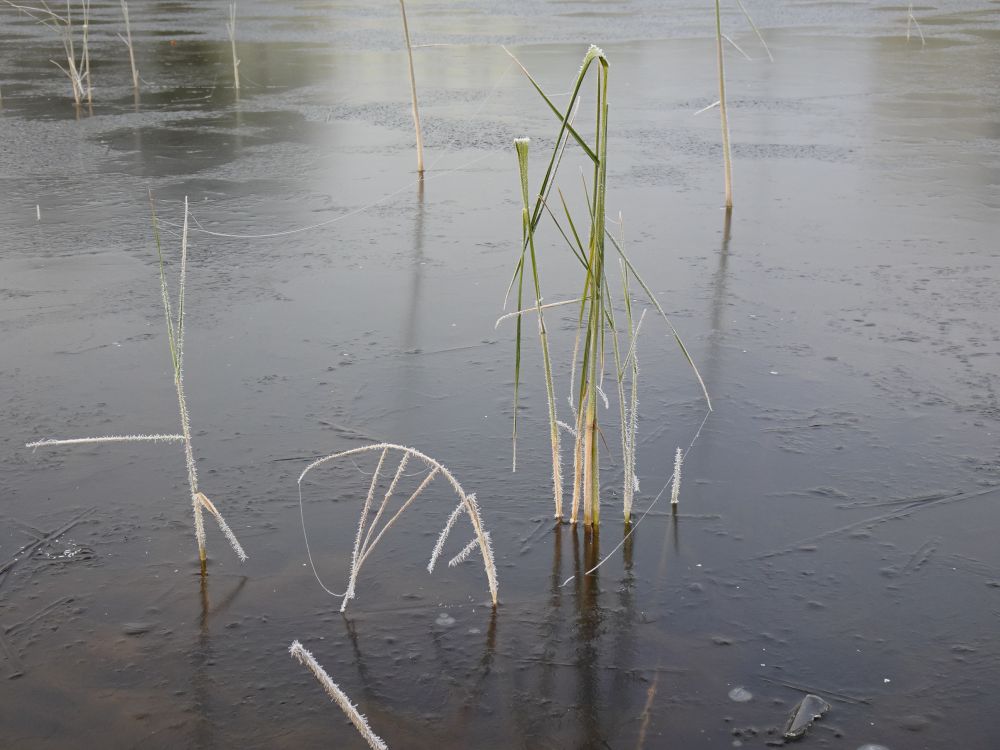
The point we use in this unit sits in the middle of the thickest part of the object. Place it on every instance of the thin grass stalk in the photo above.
(127, 39)
(431, 476)
(726, 156)
(413, 91)
(659, 308)
(231, 29)
(385, 500)
(337, 695)
(912, 20)
(362, 521)
(622, 414)
(746, 14)
(86, 52)
(528, 235)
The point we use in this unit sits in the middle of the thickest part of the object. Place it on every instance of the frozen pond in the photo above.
(839, 513)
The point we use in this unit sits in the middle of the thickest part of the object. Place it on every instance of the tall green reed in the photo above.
(596, 327)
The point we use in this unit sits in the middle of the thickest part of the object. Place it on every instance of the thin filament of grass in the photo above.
(645, 513)
(746, 14)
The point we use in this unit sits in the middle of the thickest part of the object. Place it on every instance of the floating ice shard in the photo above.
(809, 709)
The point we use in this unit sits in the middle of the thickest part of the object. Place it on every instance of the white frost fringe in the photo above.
(337, 695)
(108, 439)
(676, 489)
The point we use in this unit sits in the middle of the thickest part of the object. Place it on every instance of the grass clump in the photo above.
(596, 328)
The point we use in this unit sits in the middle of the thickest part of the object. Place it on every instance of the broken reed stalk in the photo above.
(231, 29)
(366, 538)
(726, 156)
(127, 39)
(413, 91)
(337, 695)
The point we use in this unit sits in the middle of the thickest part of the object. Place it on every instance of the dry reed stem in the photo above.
(726, 156)
(756, 31)
(231, 29)
(467, 502)
(413, 91)
(75, 70)
(912, 20)
(337, 695)
(127, 39)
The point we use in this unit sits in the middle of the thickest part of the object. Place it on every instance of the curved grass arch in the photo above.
(364, 542)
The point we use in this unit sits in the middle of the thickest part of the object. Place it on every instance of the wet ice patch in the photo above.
(740, 695)
(444, 620)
